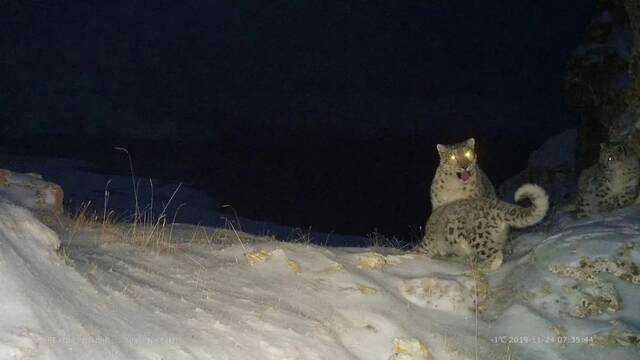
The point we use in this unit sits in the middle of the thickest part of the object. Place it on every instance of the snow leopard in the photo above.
(458, 175)
(479, 227)
(609, 184)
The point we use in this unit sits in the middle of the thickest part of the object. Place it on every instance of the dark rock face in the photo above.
(603, 79)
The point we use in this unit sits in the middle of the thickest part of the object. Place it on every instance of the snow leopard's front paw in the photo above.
(495, 262)
(492, 263)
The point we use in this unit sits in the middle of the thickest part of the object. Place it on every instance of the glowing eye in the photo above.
(453, 157)
(467, 154)
(610, 158)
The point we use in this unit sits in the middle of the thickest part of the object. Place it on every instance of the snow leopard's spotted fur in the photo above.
(611, 183)
(458, 175)
(479, 227)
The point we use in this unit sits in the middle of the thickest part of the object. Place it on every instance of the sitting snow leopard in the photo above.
(479, 227)
(611, 183)
(458, 176)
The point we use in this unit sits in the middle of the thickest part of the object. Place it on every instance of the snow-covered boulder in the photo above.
(31, 191)
(577, 287)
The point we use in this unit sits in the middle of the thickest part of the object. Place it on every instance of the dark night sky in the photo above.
(416, 63)
(353, 77)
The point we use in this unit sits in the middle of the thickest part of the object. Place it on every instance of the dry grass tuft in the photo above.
(378, 240)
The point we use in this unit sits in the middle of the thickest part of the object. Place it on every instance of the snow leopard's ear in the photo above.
(441, 148)
(471, 142)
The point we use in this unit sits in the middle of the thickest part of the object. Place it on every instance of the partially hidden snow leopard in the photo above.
(479, 227)
(609, 184)
(458, 175)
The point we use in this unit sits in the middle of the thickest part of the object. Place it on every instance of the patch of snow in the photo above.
(455, 295)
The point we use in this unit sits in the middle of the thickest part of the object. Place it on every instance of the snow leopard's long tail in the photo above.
(518, 216)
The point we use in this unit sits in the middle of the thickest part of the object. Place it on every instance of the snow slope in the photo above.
(569, 290)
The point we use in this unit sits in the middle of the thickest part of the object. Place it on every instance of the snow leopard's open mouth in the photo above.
(464, 175)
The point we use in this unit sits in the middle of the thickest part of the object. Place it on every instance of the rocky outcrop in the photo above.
(603, 80)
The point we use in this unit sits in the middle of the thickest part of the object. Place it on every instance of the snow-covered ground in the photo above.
(78, 290)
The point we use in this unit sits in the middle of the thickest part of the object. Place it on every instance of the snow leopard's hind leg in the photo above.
(622, 200)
